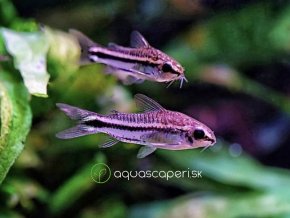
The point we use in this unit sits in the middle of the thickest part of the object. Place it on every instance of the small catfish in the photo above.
(132, 64)
(155, 128)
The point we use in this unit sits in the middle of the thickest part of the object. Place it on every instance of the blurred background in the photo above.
(236, 56)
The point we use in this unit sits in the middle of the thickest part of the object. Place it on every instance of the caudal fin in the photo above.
(76, 114)
(85, 43)
(77, 131)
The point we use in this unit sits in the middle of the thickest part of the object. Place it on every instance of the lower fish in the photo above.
(156, 127)
(136, 63)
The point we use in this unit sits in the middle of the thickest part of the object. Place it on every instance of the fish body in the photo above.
(155, 128)
(141, 60)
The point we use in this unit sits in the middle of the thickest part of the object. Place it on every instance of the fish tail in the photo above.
(81, 129)
(85, 44)
(76, 131)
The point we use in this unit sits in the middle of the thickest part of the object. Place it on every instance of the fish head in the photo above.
(170, 69)
(201, 136)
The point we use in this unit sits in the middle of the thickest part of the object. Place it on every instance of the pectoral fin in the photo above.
(131, 80)
(160, 139)
(127, 76)
(145, 151)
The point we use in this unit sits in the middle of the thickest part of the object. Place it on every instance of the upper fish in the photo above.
(156, 127)
(132, 64)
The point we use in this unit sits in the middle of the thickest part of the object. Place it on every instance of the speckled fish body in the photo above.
(155, 128)
(141, 61)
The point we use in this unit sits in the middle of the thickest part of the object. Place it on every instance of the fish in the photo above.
(132, 64)
(154, 127)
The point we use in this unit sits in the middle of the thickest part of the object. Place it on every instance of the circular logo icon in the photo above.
(100, 173)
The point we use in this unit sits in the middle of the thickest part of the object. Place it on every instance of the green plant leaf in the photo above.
(221, 167)
(253, 204)
(29, 52)
(64, 53)
(80, 183)
(15, 120)
(7, 12)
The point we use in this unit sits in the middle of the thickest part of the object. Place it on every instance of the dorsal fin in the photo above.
(82, 38)
(115, 112)
(138, 41)
(147, 104)
(113, 45)
(85, 44)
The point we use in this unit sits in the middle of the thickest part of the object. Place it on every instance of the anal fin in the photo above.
(145, 151)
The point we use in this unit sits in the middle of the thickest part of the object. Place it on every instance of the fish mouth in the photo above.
(182, 79)
(213, 141)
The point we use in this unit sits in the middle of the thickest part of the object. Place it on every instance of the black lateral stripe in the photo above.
(124, 138)
(100, 124)
(124, 59)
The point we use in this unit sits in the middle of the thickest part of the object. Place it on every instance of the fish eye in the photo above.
(167, 68)
(198, 134)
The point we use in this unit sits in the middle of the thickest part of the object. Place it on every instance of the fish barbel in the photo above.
(155, 128)
(139, 62)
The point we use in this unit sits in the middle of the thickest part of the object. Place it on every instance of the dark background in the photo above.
(236, 56)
